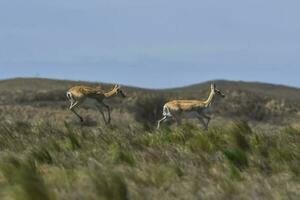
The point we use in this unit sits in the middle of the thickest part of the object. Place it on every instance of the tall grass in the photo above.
(25, 179)
(47, 160)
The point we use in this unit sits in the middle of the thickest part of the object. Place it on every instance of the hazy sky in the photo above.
(151, 43)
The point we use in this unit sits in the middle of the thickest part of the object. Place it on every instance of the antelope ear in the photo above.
(117, 87)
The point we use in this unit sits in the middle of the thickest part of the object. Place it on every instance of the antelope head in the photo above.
(119, 91)
(216, 91)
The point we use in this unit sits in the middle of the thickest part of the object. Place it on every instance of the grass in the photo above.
(251, 150)
(46, 161)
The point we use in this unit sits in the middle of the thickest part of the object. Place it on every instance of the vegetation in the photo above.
(45, 153)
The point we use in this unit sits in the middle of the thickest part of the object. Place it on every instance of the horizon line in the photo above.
(149, 88)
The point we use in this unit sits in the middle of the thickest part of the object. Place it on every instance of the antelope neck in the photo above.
(110, 94)
(210, 98)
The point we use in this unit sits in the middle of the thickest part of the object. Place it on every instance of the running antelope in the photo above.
(92, 96)
(190, 108)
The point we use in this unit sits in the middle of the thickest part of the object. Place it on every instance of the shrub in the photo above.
(39, 96)
(148, 110)
(248, 106)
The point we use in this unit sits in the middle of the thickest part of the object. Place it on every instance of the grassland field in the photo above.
(251, 150)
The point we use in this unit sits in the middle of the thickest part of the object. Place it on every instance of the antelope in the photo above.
(190, 108)
(92, 96)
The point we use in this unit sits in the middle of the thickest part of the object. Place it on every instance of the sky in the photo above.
(151, 43)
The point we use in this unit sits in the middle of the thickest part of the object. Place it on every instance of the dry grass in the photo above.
(45, 153)
(44, 159)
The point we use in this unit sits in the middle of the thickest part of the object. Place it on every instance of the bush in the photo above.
(148, 110)
(247, 106)
(41, 96)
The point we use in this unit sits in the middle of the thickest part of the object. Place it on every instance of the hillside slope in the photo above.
(246, 100)
(265, 89)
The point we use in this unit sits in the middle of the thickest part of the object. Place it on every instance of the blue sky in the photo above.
(151, 43)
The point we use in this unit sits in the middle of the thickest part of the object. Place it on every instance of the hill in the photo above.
(263, 89)
(246, 100)
(47, 84)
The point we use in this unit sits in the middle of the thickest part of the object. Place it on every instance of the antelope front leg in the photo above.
(164, 119)
(108, 111)
(72, 108)
(160, 121)
(208, 119)
(101, 111)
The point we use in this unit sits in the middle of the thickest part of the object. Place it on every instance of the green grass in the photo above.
(45, 153)
(44, 160)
